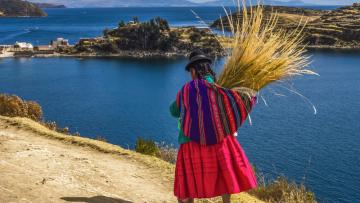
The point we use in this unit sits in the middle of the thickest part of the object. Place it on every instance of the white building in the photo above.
(59, 42)
(23, 46)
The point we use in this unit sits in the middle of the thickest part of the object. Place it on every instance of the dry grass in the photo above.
(13, 106)
(150, 161)
(296, 18)
(281, 190)
(41, 130)
(163, 151)
(146, 146)
(260, 53)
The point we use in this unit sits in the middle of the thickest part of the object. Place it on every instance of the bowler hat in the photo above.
(197, 56)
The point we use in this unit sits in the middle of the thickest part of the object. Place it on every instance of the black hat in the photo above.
(197, 56)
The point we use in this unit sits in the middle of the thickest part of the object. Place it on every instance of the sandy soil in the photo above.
(39, 165)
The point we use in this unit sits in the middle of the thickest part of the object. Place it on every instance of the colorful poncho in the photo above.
(209, 112)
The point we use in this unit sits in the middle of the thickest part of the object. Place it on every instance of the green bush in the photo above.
(146, 146)
(14, 106)
(163, 151)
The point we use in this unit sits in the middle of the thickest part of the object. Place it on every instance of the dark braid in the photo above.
(203, 69)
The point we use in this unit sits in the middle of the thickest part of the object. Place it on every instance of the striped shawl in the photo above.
(209, 112)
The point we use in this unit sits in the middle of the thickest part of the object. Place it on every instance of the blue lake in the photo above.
(121, 99)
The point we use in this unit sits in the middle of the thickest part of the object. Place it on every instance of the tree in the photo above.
(121, 24)
(106, 32)
(195, 37)
(162, 23)
(136, 19)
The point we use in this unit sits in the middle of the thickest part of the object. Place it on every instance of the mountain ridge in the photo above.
(163, 3)
(19, 8)
(49, 5)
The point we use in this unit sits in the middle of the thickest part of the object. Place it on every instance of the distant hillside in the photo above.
(288, 16)
(339, 28)
(121, 3)
(163, 3)
(19, 8)
(254, 2)
(48, 5)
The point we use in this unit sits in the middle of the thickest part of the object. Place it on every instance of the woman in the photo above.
(210, 161)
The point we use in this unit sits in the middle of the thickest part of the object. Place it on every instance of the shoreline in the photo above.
(145, 54)
(125, 54)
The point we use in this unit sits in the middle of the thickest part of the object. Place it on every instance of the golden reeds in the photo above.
(260, 52)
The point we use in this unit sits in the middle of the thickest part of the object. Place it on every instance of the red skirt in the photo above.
(210, 171)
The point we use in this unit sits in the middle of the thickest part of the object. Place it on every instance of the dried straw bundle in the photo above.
(260, 53)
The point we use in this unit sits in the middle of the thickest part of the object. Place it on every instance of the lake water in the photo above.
(121, 99)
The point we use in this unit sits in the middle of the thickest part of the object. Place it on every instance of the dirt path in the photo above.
(35, 168)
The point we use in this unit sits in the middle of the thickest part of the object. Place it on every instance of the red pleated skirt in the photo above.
(211, 171)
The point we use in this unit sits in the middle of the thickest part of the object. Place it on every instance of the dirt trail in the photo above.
(36, 167)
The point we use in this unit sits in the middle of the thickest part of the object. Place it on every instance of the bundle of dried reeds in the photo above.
(260, 52)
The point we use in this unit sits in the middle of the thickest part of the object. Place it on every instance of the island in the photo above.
(338, 28)
(153, 38)
(19, 8)
(150, 38)
(49, 5)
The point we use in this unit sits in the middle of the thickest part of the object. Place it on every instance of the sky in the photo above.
(321, 2)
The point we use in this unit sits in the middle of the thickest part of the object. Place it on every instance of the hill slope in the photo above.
(119, 3)
(35, 160)
(339, 28)
(48, 5)
(19, 8)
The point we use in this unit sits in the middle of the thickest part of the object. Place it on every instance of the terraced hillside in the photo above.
(339, 28)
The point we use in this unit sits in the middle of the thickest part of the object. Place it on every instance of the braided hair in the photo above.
(202, 69)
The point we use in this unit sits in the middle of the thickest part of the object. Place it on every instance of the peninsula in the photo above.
(338, 28)
(19, 8)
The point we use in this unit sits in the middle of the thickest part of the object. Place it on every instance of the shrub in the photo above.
(281, 190)
(163, 151)
(34, 110)
(121, 24)
(167, 153)
(146, 146)
(195, 37)
(106, 32)
(14, 106)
